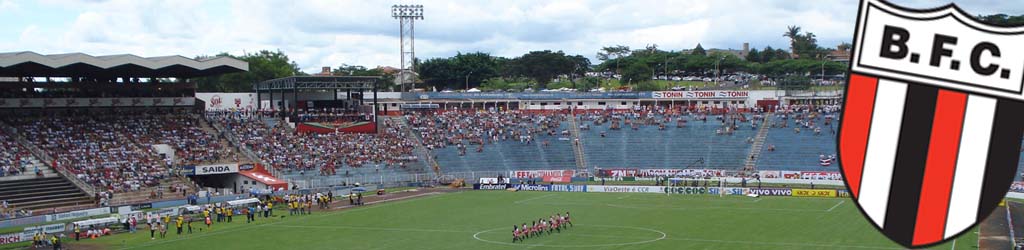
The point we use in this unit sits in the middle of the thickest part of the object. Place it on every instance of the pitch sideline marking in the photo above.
(837, 205)
(397, 229)
(725, 208)
(779, 243)
(663, 236)
(279, 222)
(534, 198)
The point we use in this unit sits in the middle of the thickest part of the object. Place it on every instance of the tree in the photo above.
(636, 72)
(699, 50)
(458, 71)
(613, 53)
(792, 32)
(803, 45)
(542, 66)
(753, 56)
(1002, 20)
(581, 65)
(263, 65)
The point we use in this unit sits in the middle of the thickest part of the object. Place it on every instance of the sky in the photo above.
(316, 33)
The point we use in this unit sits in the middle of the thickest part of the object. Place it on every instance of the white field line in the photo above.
(837, 205)
(746, 242)
(718, 208)
(534, 198)
(395, 229)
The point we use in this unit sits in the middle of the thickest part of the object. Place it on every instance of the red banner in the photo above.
(820, 175)
(619, 172)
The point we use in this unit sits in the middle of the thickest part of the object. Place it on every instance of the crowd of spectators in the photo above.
(11, 158)
(662, 117)
(114, 151)
(283, 148)
(464, 128)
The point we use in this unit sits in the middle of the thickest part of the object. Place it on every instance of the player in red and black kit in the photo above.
(567, 220)
(515, 233)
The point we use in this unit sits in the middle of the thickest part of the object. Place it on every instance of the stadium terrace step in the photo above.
(31, 182)
(6, 192)
(649, 147)
(57, 182)
(41, 197)
(798, 151)
(52, 203)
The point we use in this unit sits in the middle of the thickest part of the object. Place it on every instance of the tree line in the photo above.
(540, 68)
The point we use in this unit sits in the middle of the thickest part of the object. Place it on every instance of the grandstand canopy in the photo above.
(31, 64)
(294, 85)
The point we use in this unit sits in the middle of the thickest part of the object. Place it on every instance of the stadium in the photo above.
(132, 152)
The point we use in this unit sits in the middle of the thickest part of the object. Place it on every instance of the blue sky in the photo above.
(319, 33)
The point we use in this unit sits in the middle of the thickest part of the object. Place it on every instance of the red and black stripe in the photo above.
(950, 108)
(908, 173)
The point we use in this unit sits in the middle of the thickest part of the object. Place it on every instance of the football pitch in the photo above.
(484, 219)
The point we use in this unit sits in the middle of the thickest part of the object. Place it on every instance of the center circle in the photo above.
(662, 237)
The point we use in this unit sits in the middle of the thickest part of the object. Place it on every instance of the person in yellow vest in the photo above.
(35, 240)
(230, 213)
(220, 214)
(55, 242)
(206, 213)
(167, 221)
(270, 208)
(179, 223)
(291, 208)
(77, 232)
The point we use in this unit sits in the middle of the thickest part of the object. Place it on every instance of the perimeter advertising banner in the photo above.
(14, 238)
(772, 191)
(78, 214)
(721, 94)
(814, 192)
(624, 189)
(685, 190)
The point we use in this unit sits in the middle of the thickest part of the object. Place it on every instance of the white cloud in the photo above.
(318, 33)
(8, 6)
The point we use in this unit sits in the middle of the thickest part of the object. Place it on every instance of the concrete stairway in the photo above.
(755, 149)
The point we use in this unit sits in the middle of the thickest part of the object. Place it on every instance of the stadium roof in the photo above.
(31, 64)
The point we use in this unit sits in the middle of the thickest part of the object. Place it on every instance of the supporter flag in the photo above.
(931, 128)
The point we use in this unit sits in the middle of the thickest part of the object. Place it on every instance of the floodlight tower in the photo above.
(406, 15)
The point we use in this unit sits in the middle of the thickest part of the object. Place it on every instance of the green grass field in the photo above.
(484, 219)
